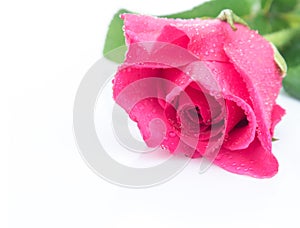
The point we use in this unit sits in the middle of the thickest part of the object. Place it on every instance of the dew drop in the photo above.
(225, 140)
(218, 158)
(172, 134)
(141, 107)
(208, 121)
(164, 147)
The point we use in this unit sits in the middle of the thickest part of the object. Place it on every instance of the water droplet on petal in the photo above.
(208, 121)
(164, 147)
(172, 134)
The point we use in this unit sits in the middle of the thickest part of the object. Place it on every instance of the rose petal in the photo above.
(206, 36)
(149, 111)
(146, 105)
(238, 105)
(252, 57)
(253, 161)
(208, 106)
(128, 75)
(171, 34)
(234, 115)
(207, 39)
(173, 77)
(242, 134)
(142, 28)
(277, 114)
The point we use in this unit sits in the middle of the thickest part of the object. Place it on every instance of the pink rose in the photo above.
(242, 65)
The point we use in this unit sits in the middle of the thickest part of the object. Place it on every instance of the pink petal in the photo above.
(207, 39)
(147, 111)
(243, 133)
(171, 34)
(207, 104)
(206, 36)
(234, 115)
(127, 75)
(238, 105)
(140, 101)
(174, 77)
(253, 58)
(277, 114)
(253, 161)
(142, 28)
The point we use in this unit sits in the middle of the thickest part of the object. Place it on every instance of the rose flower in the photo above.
(207, 83)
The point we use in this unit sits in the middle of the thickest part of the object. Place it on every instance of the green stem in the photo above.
(230, 17)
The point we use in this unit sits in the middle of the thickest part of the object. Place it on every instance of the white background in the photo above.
(45, 48)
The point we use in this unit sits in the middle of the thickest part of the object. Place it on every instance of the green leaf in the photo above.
(267, 22)
(275, 15)
(115, 38)
(260, 22)
(291, 83)
(283, 38)
(283, 5)
(292, 52)
(213, 8)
